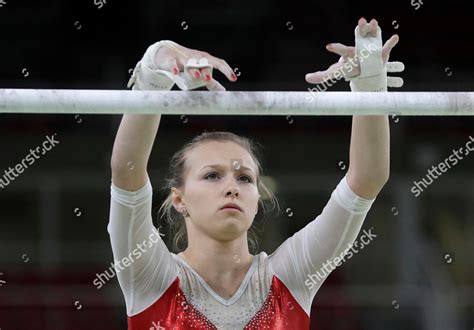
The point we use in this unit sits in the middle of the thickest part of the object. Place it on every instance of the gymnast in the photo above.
(213, 195)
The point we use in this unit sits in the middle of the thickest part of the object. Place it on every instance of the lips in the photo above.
(231, 205)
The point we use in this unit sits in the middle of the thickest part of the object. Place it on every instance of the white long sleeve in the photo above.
(327, 236)
(133, 236)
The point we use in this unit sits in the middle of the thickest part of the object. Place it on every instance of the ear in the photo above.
(176, 198)
(256, 211)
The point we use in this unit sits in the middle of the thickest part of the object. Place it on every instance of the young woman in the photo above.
(214, 195)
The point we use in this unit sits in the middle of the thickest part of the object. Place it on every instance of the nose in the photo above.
(232, 191)
(232, 188)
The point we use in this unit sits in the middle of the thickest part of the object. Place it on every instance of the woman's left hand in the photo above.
(347, 52)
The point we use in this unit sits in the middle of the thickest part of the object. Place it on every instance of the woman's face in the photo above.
(219, 173)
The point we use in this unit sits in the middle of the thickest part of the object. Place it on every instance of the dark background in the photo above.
(53, 237)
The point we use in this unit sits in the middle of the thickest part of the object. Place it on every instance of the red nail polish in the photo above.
(196, 74)
(208, 77)
(234, 77)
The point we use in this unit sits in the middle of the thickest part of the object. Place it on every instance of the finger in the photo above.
(363, 28)
(341, 49)
(390, 43)
(373, 27)
(169, 64)
(167, 60)
(223, 67)
(315, 77)
(206, 74)
(387, 48)
(195, 73)
(174, 66)
(322, 76)
(214, 85)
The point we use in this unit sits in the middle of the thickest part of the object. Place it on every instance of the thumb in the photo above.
(387, 48)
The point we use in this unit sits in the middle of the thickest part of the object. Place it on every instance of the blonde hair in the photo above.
(178, 171)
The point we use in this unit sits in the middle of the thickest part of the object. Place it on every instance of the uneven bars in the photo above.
(236, 103)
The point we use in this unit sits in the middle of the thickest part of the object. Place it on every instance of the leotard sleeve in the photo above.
(329, 235)
(143, 264)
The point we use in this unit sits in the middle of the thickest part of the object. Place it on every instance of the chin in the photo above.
(231, 227)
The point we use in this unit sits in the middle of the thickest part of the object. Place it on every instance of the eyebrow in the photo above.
(221, 166)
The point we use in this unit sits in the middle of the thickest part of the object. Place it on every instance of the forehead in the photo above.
(219, 153)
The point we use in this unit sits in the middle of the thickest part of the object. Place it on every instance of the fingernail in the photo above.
(208, 77)
(233, 76)
(175, 70)
(196, 74)
(361, 18)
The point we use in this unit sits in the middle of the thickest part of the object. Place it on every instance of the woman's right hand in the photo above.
(174, 58)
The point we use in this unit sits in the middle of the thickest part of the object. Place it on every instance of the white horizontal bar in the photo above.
(235, 103)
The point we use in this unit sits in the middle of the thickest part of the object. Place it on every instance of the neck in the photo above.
(216, 257)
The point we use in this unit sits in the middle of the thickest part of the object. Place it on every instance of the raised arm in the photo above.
(136, 134)
(305, 260)
(131, 151)
(144, 266)
(366, 66)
